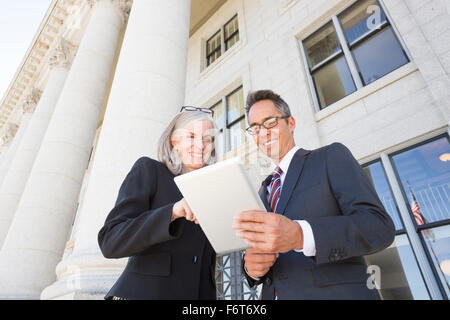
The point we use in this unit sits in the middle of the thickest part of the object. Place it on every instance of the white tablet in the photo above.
(215, 194)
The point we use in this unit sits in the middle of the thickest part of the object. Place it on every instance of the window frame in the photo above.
(346, 51)
(429, 225)
(418, 244)
(219, 48)
(223, 41)
(226, 124)
(233, 34)
(425, 226)
(378, 160)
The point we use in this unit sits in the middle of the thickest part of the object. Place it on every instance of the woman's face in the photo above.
(194, 144)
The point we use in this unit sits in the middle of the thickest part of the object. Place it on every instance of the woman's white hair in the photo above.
(167, 154)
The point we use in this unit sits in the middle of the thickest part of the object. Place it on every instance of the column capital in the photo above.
(32, 100)
(62, 55)
(10, 133)
(122, 6)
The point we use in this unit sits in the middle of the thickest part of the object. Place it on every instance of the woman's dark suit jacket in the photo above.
(167, 260)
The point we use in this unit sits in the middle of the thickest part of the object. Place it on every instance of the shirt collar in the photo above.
(286, 161)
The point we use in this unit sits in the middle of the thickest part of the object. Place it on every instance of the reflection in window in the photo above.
(379, 55)
(379, 181)
(361, 19)
(322, 45)
(424, 172)
(438, 243)
(219, 115)
(231, 32)
(235, 105)
(237, 134)
(366, 43)
(371, 40)
(213, 48)
(400, 277)
(236, 118)
(333, 82)
(219, 118)
(328, 67)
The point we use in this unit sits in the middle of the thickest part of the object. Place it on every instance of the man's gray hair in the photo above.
(167, 154)
(256, 96)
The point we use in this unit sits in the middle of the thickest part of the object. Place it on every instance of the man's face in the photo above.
(277, 141)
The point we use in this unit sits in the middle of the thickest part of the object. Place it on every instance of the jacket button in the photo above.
(195, 259)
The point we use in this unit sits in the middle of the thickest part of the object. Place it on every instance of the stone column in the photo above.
(9, 147)
(40, 114)
(45, 213)
(148, 90)
(2, 153)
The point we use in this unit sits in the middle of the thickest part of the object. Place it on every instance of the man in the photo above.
(323, 215)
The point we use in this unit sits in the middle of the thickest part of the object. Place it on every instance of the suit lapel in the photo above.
(263, 192)
(293, 174)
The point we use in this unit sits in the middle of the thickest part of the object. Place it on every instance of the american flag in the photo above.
(415, 208)
(420, 219)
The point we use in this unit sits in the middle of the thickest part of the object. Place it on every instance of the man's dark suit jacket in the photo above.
(329, 189)
(167, 260)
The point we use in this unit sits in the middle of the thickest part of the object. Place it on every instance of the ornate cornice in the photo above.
(35, 59)
(123, 7)
(32, 100)
(11, 131)
(62, 55)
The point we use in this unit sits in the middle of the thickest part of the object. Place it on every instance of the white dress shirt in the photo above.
(309, 245)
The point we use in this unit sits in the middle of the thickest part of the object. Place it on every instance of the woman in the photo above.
(170, 256)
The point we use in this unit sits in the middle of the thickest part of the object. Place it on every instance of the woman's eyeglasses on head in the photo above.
(190, 108)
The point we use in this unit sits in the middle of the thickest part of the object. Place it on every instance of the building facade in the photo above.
(102, 79)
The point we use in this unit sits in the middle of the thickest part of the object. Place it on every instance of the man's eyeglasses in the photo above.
(269, 123)
(190, 108)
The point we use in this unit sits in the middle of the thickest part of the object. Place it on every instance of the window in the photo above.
(423, 174)
(376, 175)
(231, 30)
(356, 48)
(438, 244)
(399, 272)
(229, 114)
(236, 118)
(328, 67)
(215, 46)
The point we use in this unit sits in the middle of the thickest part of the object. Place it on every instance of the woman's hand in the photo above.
(181, 209)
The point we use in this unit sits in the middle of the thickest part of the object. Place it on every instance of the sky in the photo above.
(19, 22)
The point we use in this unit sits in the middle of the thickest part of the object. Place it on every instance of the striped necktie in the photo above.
(275, 188)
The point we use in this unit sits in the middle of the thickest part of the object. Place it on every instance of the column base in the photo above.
(84, 278)
(19, 296)
(23, 272)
